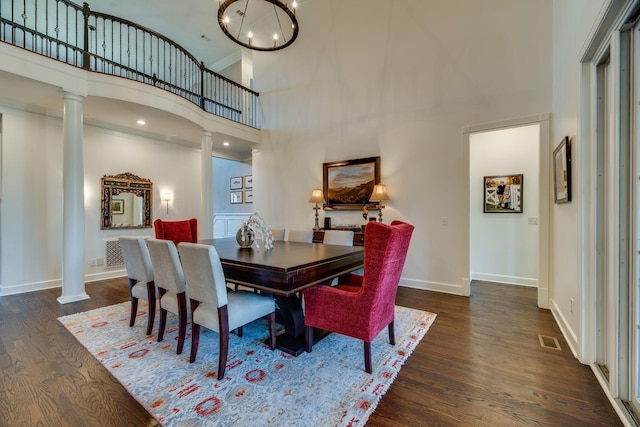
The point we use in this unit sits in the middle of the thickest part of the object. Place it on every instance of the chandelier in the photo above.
(264, 25)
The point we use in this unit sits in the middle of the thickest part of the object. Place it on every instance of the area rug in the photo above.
(261, 387)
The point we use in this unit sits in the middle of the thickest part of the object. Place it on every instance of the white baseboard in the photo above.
(566, 330)
(499, 278)
(432, 286)
(50, 284)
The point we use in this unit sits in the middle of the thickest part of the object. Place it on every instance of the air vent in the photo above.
(549, 342)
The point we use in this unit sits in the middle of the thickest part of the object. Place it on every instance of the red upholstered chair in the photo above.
(362, 306)
(177, 231)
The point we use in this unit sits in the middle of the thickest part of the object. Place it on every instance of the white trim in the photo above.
(544, 238)
(447, 288)
(511, 280)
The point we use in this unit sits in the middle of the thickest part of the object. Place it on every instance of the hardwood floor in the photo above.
(480, 364)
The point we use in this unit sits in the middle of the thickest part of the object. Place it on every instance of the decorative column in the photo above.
(73, 201)
(205, 226)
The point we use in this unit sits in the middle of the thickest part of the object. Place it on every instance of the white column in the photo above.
(205, 226)
(73, 202)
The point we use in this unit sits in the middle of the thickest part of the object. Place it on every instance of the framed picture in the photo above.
(503, 193)
(117, 206)
(235, 183)
(248, 181)
(347, 185)
(562, 171)
(248, 196)
(236, 197)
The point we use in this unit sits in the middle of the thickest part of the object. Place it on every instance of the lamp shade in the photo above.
(317, 196)
(379, 193)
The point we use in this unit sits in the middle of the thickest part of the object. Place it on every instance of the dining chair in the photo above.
(177, 231)
(361, 306)
(214, 306)
(140, 274)
(169, 279)
(278, 234)
(304, 236)
(338, 237)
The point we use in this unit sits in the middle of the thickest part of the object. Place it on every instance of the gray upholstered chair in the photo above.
(304, 236)
(140, 274)
(169, 279)
(214, 306)
(338, 237)
(278, 234)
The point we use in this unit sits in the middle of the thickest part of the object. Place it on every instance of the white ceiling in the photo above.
(194, 27)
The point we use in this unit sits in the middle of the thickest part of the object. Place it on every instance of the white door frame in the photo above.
(544, 261)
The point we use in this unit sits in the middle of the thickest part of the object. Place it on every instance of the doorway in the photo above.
(508, 247)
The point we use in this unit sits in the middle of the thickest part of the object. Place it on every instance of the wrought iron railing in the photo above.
(102, 43)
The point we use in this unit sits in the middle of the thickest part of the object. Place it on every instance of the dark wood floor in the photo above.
(480, 364)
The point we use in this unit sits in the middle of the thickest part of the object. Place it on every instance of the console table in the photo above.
(358, 236)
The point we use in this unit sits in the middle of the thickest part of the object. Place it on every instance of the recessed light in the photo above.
(226, 144)
(141, 122)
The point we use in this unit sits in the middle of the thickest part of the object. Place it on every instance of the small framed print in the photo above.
(117, 206)
(562, 171)
(248, 181)
(248, 196)
(236, 197)
(235, 183)
(503, 193)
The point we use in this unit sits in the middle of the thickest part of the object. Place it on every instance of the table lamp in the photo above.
(379, 195)
(317, 197)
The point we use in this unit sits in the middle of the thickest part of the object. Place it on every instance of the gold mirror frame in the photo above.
(113, 185)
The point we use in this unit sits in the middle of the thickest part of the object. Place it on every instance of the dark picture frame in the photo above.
(248, 196)
(348, 184)
(562, 171)
(235, 197)
(117, 206)
(235, 183)
(248, 181)
(503, 193)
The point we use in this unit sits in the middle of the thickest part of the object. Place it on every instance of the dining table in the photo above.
(285, 271)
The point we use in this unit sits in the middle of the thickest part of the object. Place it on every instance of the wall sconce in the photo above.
(379, 195)
(316, 197)
(167, 196)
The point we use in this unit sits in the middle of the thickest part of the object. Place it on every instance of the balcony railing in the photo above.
(102, 43)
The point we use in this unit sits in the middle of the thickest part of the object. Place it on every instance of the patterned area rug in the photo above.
(261, 387)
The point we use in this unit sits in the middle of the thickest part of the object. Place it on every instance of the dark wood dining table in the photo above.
(284, 271)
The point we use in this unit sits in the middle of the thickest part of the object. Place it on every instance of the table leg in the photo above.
(290, 315)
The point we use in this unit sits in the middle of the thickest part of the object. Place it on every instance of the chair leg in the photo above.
(308, 338)
(182, 321)
(367, 357)
(272, 330)
(392, 334)
(163, 324)
(239, 331)
(151, 293)
(195, 333)
(134, 310)
(163, 316)
(223, 321)
(134, 303)
(195, 340)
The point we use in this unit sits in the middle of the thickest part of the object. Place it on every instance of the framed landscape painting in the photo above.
(562, 171)
(503, 193)
(348, 184)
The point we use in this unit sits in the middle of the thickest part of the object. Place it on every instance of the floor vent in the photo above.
(549, 342)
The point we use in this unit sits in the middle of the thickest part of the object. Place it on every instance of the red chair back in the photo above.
(177, 231)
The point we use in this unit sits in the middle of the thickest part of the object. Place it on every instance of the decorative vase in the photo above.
(244, 237)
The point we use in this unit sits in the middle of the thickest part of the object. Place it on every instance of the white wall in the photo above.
(573, 20)
(400, 81)
(504, 246)
(31, 226)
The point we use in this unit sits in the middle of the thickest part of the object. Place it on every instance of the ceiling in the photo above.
(204, 40)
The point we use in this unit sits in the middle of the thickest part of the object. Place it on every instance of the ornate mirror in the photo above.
(126, 202)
